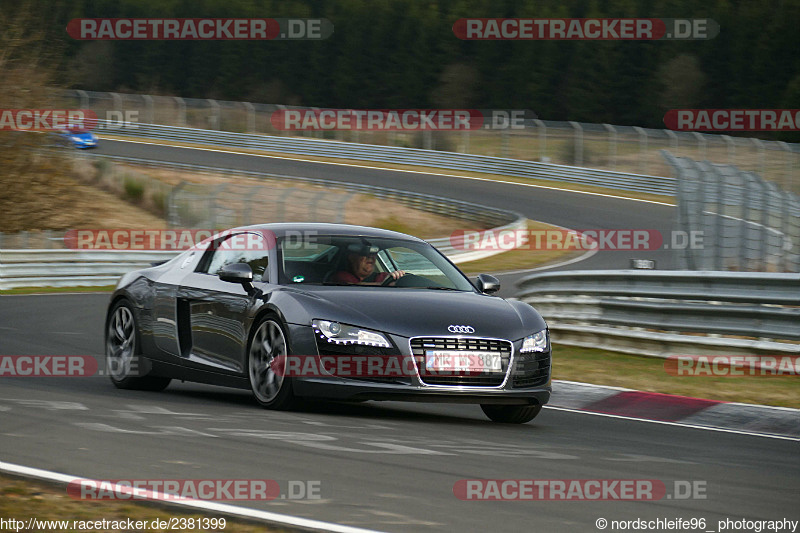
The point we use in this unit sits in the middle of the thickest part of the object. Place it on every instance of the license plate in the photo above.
(462, 361)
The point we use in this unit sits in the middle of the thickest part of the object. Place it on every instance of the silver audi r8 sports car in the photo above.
(328, 311)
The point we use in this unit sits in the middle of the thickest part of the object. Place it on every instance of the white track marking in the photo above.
(676, 424)
(244, 512)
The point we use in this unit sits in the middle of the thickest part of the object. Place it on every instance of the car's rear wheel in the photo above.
(124, 363)
(266, 354)
(511, 414)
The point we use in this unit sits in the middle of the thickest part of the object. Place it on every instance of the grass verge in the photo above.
(22, 499)
(51, 290)
(520, 259)
(602, 367)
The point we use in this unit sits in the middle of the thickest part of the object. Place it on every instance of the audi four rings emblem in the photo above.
(460, 329)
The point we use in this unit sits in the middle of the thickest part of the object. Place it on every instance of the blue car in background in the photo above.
(79, 137)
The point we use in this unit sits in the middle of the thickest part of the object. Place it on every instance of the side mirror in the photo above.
(238, 273)
(488, 284)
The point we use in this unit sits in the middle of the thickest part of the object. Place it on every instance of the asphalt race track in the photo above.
(387, 466)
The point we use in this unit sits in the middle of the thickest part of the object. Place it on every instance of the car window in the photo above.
(306, 251)
(412, 262)
(319, 260)
(249, 248)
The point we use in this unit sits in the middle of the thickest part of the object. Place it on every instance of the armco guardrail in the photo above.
(663, 313)
(71, 268)
(406, 156)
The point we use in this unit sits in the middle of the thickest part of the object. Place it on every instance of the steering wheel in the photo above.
(389, 279)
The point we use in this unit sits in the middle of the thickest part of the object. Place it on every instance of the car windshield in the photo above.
(332, 260)
(77, 131)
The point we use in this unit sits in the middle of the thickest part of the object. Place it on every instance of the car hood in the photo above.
(415, 312)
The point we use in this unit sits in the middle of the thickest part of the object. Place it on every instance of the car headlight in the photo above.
(538, 342)
(343, 334)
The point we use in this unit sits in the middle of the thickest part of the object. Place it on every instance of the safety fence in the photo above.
(402, 156)
(628, 149)
(746, 222)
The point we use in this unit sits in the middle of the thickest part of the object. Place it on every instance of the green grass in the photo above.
(603, 367)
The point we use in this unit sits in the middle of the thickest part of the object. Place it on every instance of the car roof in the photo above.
(280, 229)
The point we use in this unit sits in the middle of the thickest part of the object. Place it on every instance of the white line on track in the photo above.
(562, 189)
(244, 512)
(678, 424)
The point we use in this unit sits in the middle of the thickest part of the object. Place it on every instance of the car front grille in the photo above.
(420, 345)
(531, 369)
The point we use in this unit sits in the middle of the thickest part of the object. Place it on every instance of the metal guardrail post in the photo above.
(762, 235)
(731, 149)
(181, 110)
(149, 108)
(701, 144)
(789, 168)
(427, 139)
(673, 140)
(541, 130)
(214, 118)
(642, 148)
(464, 148)
(117, 99)
(746, 207)
(173, 217)
(84, 98)
(761, 156)
(251, 117)
(578, 161)
(612, 145)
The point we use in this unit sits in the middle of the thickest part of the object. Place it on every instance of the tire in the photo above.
(511, 414)
(125, 365)
(269, 341)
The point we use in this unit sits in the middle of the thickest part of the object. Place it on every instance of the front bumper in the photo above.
(413, 388)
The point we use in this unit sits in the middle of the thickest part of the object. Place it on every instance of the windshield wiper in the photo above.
(442, 288)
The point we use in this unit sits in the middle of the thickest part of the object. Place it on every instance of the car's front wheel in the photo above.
(266, 356)
(511, 414)
(124, 364)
